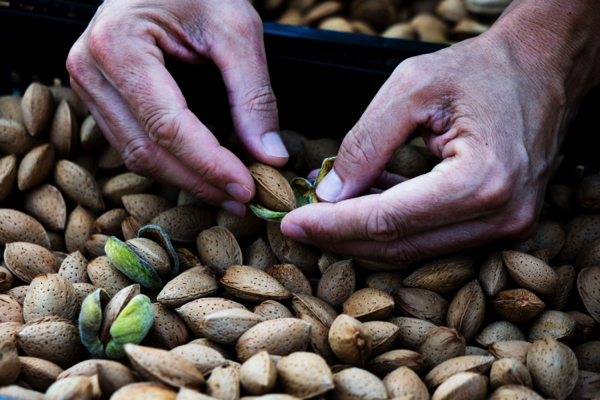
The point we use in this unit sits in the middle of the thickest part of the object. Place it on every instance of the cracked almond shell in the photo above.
(252, 284)
(518, 305)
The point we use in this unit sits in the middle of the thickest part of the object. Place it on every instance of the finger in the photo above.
(243, 66)
(142, 155)
(157, 103)
(388, 180)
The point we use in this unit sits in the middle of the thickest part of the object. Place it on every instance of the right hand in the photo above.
(117, 67)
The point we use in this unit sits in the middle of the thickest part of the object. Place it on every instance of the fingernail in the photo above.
(295, 232)
(234, 207)
(330, 187)
(239, 192)
(273, 145)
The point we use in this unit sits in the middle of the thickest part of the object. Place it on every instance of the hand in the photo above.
(117, 67)
(494, 109)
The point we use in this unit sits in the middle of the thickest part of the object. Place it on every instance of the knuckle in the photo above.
(360, 150)
(101, 41)
(163, 128)
(77, 63)
(260, 99)
(140, 157)
(495, 192)
(200, 190)
(382, 226)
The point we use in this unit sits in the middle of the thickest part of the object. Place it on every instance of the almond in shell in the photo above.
(145, 390)
(184, 223)
(35, 166)
(94, 245)
(168, 329)
(411, 330)
(588, 355)
(587, 386)
(193, 312)
(110, 158)
(103, 274)
(453, 366)
(224, 383)
(80, 387)
(37, 107)
(552, 323)
(11, 309)
(515, 349)
(311, 305)
(240, 227)
(441, 344)
(337, 284)
(350, 340)
(38, 373)
(272, 190)
(47, 205)
(584, 326)
(493, 275)
(78, 184)
(553, 367)
(515, 392)
(258, 374)
(530, 272)
(110, 222)
(10, 108)
(188, 286)
(291, 278)
(467, 310)
(28, 260)
(588, 284)
(404, 383)
(518, 305)
(8, 174)
(566, 280)
(9, 363)
(145, 206)
(369, 304)
(509, 371)
(259, 255)
(60, 93)
(90, 134)
(14, 138)
(384, 281)
(304, 375)
(252, 284)
(383, 335)
(130, 227)
(218, 249)
(226, 326)
(390, 361)
(422, 304)
(80, 226)
(16, 226)
(580, 231)
(50, 295)
(319, 338)
(289, 251)
(464, 385)
(271, 309)
(204, 358)
(442, 275)
(124, 184)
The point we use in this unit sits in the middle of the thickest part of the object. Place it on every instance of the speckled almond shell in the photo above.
(337, 284)
(193, 312)
(391, 360)
(443, 371)
(8, 174)
(442, 275)
(589, 255)
(259, 255)
(184, 223)
(493, 275)
(168, 329)
(271, 309)
(8, 331)
(240, 227)
(204, 358)
(588, 355)
(315, 151)
(422, 304)
(10, 108)
(145, 206)
(369, 304)
(35, 166)
(516, 349)
(289, 251)
(588, 284)
(530, 272)
(584, 327)
(273, 191)
(580, 231)
(566, 280)
(28, 260)
(291, 277)
(145, 390)
(405, 383)
(188, 286)
(357, 384)
(80, 226)
(153, 253)
(350, 340)
(50, 295)
(11, 310)
(130, 227)
(9, 363)
(38, 373)
(51, 338)
(464, 385)
(81, 387)
(16, 226)
(311, 305)
(37, 107)
(258, 374)
(103, 274)
(319, 338)
(14, 138)
(499, 331)
(412, 330)
(383, 335)
(90, 134)
(47, 205)
(252, 284)
(226, 326)
(110, 222)
(441, 344)
(509, 371)
(218, 249)
(124, 184)
(549, 235)
(64, 130)
(164, 367)
(78, 184)
(94, 245)
(109, 158)
(514, 392)
(553, 367)
(278, 337)
(554, 324)
(467, 310)
(224, 383)
(384, 281)
(6, 279)
(587, 386)
(518, 305)
(304, 375)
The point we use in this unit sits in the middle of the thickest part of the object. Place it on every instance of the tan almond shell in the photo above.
(124, 184)
(319, 338)
(383, 335)
(94, 246)
(552, 323)
(188, 286)
(9, 363)
(164, 367)
(187, 259)
(467, 310)
(566, 280)
(47, 205)
(78, 184)
(11, 309)
(110, 158)
(515, 349)
(549, 235)
(37, 107)
(530, 272)
(218, 249)
(6, 280)
(289, 251)
(384, 281)
(36, 166)
(193, 312)
(411, 330)
(291, 277)
(588, 256)
(499, 331)
(509, 371)
(514, 392)
(143, 391)
(588, 355)
(57, 242)
(252, 284)
(350, 340)
(258, 374)
(493, 275)
(587, 386)
(10, 108)
(110, 222)
(130, 226)
(304, 375)
(337, 284)
(8, 332)
(464, 385)
(385, 363)
(14, 138)
(271, 309)
(311, 305)
(80, 226)
(184, 223)
(240, 227)
(145, 206)
(204, 358)
(168, 329)
(60, 93)
(441, 344)
(226, 326)
(90, 134)
(151, 252)
(51, 338)
(422, 304)
(518, 305)
(8, 175)
(553, 367)
(327, 259)
(224, 383)
(16, 226)
(64, 131)
(259, 255)
(404, 383)
(28, 260)
(80, 387)
(441, 372)
(273, 191)
(581, 230)
(588, 285)
(442, 275)
(50, 295)
(369, 304)
(103, 274)
(278, 337)
(38, 373)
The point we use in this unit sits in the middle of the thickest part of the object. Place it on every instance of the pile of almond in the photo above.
(114, 286)
(438, 21)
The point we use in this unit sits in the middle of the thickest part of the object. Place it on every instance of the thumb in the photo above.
(371, 143)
